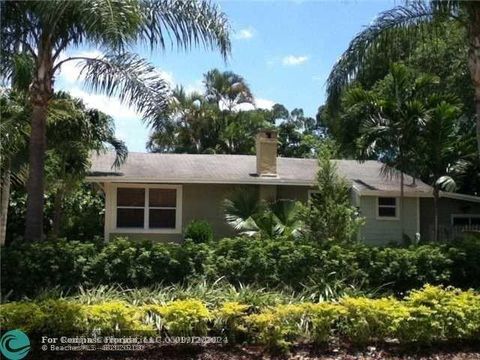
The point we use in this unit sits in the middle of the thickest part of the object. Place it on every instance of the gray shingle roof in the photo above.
(239, 169)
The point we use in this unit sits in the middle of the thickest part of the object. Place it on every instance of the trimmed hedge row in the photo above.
(29, 268)
(426, 316)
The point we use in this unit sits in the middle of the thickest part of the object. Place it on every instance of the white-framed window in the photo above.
(148, 208)
(465, 219)
(387, 208)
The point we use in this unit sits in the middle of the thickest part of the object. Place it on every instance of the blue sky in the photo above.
(283, 49)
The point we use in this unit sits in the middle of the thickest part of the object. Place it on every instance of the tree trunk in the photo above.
(57, 213)
(41, 90)
(402, 195)
(5, 198)
(474, 60)
(435, 214)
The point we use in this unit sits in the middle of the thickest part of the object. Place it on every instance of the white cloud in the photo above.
(245, 34)
(259, 104)
(70, 70)
(292, 60)
(109, 105)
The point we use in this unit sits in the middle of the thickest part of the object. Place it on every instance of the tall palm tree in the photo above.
(47, 29)
(69, 155)
(439, 145)
(391, 133)
(227, 89)
(416, 18)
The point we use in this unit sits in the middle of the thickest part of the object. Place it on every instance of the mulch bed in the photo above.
(302, 352)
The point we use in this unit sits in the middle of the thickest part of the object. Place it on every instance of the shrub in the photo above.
(427, 316)
(181, 317)
(328, 271)
(199, 231)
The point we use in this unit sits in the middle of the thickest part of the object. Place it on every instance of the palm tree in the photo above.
(45, 30)
(391, 133)
(252, 217)
(440, 145)
(227, 89)
(69, 156)
(416, 18)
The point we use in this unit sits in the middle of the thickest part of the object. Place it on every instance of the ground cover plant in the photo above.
(427, 316)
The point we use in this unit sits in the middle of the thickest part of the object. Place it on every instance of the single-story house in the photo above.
(154, 196)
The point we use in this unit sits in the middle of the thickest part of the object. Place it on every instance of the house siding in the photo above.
(446, 208)
(204, 202)
(381, 231)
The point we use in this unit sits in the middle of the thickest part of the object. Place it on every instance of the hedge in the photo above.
(27, 269)
(426, 316)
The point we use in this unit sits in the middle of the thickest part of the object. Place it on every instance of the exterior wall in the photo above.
(297, 193)
(378, 231)
(199, 202)
(204, 202)
(447, 207)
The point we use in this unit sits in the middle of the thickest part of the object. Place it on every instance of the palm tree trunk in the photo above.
(435, 214)
(57, 213)
(402, 195)
(41, 91)
(474, 60)
(5, 198)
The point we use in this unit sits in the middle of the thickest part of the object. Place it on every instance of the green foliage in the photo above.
(199, 231)
(315, 272)
(181, 317)
(328, 215)
(431, 315)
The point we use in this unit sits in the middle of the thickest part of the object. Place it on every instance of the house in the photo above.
(154, 196)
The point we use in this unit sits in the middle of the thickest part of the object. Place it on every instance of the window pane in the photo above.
(163, 197)
(386, 211)
(386, 201)
(130, 197)
(130, 218)
(162, 218)
(460, 221)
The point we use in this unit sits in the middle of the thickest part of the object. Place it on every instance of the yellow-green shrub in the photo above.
(181, 317)
(365, 319)
(27, 317)
(229, 319)
(277, 327)
(113, 316)
(430, 315)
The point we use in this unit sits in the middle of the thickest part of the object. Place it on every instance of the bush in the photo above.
(199, 231)
(427, 316)
(328, 271)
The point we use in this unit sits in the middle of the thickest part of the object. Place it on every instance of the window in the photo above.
(151, 208)
(465, 219)
(387, 208)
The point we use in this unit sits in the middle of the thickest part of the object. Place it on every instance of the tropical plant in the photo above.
(417, 18)
(329, 216)
(227, 89)
(250, 216)
(45, 30)
(390, 129)
(68, 157)
(440, 147)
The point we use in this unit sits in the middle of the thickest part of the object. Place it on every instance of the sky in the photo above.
(284, 49)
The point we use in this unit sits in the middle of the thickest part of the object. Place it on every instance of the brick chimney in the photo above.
(266, 146)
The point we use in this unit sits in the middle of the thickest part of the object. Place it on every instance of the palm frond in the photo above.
(185, 23)
(131, 78)
(413, 18)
